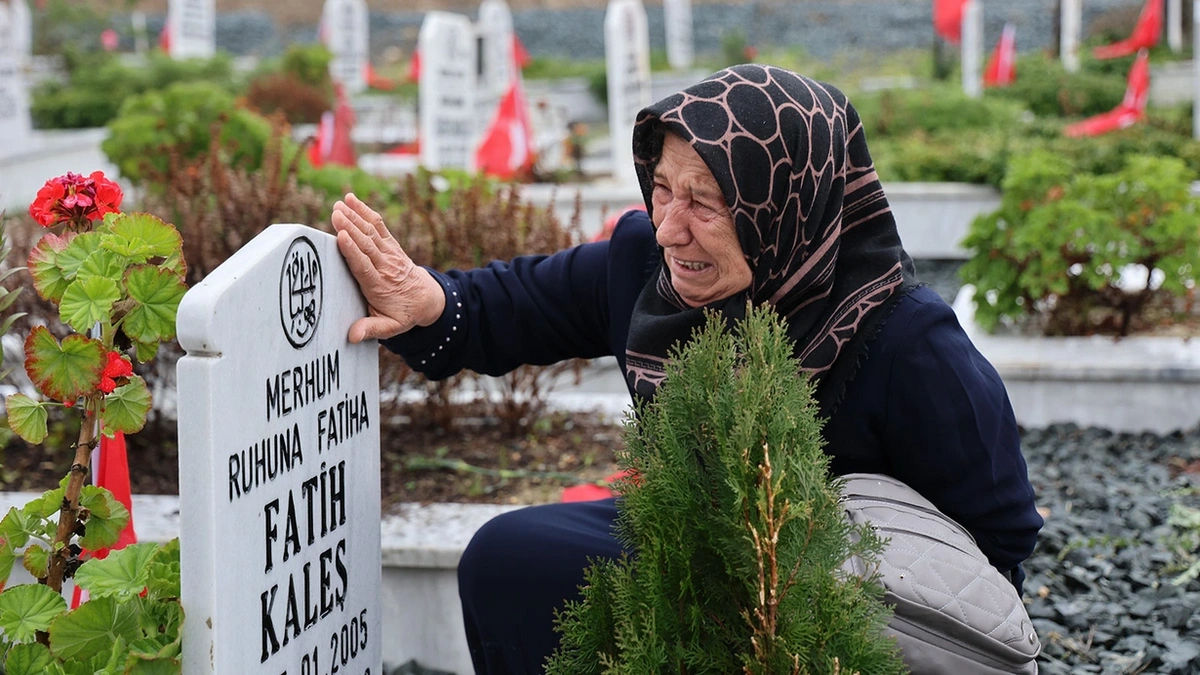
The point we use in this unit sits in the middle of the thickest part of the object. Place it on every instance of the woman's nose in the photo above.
(673, 228)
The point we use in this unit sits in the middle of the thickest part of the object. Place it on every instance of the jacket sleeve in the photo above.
(950, 433)
(533, 310)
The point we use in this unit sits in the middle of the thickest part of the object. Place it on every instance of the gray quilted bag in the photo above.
(954, 614)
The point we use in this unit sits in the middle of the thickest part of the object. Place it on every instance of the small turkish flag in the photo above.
(1131, 110)
(948, 18)
(414, 67)
(164, 39)
(1145, 34)
(507, 146)
(1002, 67)
(111, 471)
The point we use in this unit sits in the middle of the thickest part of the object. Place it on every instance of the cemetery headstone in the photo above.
(677, 14)
(1175, 25)
(972, 49)
(192, 27)
(627, 60)
(446, 119)
(1196, 69)
(279, 465)
(1071, 33)
(497, 62)
(16, 127)
(346, 28)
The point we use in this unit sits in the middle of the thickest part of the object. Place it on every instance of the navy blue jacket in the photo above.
(925, 407)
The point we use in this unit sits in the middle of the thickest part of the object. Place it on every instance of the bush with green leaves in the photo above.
(739, 531)
(99, 84)
(1046, 88)
(939, 109)
(1054, 252)
(116, 279)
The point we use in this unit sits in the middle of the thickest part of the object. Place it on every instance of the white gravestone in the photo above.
(22, 24)
(497, 61)
(347, 29)
(1175, 25)
(1070, 35)
(627, 61)
(279, 459)
(192, 28)
(1196, 69)
(446, 119)
(677, 14)
(15, 126)
(972, 49)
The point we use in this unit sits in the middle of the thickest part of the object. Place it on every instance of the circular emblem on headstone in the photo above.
(300, 292)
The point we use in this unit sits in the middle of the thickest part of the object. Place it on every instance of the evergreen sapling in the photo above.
(738, 529)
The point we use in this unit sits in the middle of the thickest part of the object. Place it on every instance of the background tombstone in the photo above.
(497, 59)
(677, 14)
(15, 126)
(446, 119)
(1196, 69)
(627, 61)
(1070, 35)
(346, 29)
(279, 460)
(192, 27)
(972, 49)
(1175, 25)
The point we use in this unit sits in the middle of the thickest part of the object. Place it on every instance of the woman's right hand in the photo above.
(400, 294)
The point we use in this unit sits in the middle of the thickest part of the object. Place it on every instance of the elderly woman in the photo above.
(758, 185)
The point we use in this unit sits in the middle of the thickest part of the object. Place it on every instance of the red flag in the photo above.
(333, 144)
(1002, 67)
(507, 146)
(520, 54)
(414, 67)
(1145, 34)
(319, 150)
(111, 471)
(948, 18)
(377, 81)
(1131, 110)
(592, 491)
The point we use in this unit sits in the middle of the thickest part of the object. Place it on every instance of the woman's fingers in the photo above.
(369, 215)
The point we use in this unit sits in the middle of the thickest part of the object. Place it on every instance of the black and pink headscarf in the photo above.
(816, 229)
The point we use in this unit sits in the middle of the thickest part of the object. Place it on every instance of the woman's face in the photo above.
(695, 229)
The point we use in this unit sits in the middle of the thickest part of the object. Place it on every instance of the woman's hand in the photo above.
(400, 294)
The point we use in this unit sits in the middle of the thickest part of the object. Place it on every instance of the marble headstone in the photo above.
(1071, 34)
(15, 126)
(627, 61)
(345, 27)
(446, 118)
(22, 30)
(497, 62)
(279, 465)
(972, 48)
(192, 27)
(680, 41)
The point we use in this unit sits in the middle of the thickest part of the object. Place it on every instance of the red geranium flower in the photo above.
(75, 199)
(117, 367)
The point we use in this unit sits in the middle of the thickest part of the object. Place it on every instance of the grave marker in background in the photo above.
(972, 49)
(627, 60)
(22, 34)
(15, 126)
(346, 28)
(497, 60)
(447, 126)
(677, 14)
(1175, 25)
(192, 28)
(279, 460)
(1070, 35)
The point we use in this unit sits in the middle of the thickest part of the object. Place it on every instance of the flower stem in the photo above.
(68, 516)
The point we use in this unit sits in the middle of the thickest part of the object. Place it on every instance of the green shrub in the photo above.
(737, 526)
(309, 64)
(1047, 89)
(902, 112)
(1054, 251)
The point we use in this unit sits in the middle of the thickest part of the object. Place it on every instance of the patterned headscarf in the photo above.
(814, 225)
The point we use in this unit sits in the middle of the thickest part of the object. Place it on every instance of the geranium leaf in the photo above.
(28, 659)
(141, 236)
(16, 527)
(27, 417)
(122, 574)
(162, 580)
(35, 559)
(7, 559)
(27, 609)
(89, 301)
(66, 371)
(48, 278)
(126, 407)
(104, 264)
(46, 505)
(78, 250)
(157, 666)
(144, 351)
(157, 293)
(106, 518)
(92, 628)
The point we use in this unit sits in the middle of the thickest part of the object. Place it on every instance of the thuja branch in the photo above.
(68, 515)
